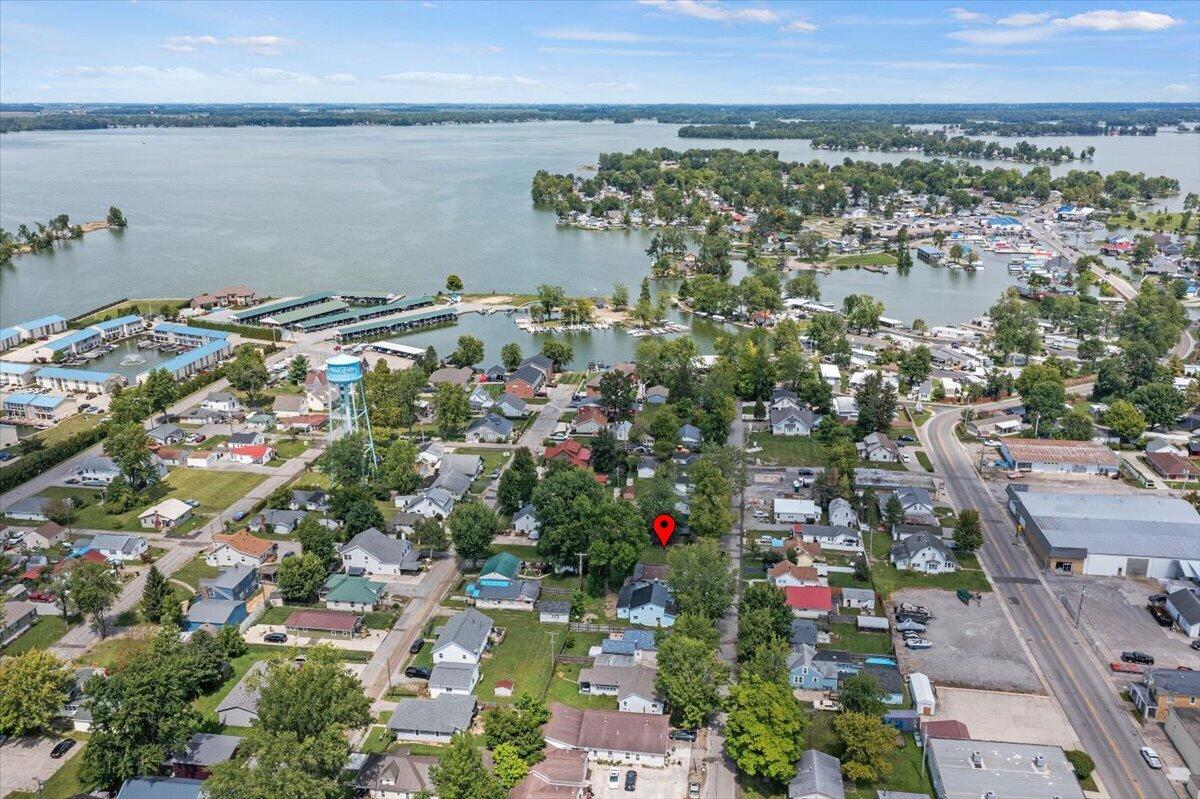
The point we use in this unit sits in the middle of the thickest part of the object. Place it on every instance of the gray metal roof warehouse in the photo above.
(1137, 525)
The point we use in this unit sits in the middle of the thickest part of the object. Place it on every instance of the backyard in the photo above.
(887, 578)
(801, 451)
(44, 633)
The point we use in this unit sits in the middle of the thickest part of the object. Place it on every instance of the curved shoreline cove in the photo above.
(289, 211)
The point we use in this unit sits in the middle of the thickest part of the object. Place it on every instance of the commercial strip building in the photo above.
(1049, 455)
(968, 769)
(1133, 535)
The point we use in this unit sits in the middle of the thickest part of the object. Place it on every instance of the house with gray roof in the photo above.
(511, 406)
(276, 520)
(804, 631)
(463, 638)
(166, 434)
(470, 465)
(649, 604)
(203, 751)
(1184, 607)
(818, 776)
(789, 421)
(161, 788)
(309, 499)
(970, 769)
(456, 484)
(397, 774)
(917, 503)
(878, 448)
(690, 436)
(432, 503)
(119, 547)
(236, 582)
(432, 720)
(514, 595)
(377, 553)
(239, 708)
(861, 598)
(923, 553)
(453, 678)
(525, 521)
(841, 513)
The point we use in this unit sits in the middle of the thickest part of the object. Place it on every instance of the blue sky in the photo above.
(648, 51)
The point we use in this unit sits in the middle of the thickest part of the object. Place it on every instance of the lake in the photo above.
(290, 211)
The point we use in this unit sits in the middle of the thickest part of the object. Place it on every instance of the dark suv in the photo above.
(1137, 657)
(631, 780)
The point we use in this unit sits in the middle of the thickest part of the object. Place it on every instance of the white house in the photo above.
(792, 421)
(201, 458)
(258, 454)
(525, 521)
(463, 638)
(240, 549)
(845, 408)
(166, 515)
(841, 513)
(923, 553)
(221, 402)
(376, 553)
(831, 374)
(119, 548)
(797, 511)
(878, 448)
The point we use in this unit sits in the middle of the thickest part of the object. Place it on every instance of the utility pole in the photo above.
(581, 556)
(1079, 607)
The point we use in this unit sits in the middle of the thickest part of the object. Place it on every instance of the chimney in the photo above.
(977, 758)
(1039, 761)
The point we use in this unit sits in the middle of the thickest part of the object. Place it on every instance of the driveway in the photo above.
(652, 783)
(547, 418)
(24, 761)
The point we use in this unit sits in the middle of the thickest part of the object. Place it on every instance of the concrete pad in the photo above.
(669, 782)
(997, 716)
(973, 647)
(364, 643)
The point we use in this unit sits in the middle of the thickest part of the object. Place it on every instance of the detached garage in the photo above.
(1184, 607)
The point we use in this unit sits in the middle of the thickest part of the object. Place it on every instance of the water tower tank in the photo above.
(343, 370)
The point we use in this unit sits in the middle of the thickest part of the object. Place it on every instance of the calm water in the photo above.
(126, 359)
(292, 211)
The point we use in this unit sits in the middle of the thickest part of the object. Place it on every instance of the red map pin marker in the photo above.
(664, 526)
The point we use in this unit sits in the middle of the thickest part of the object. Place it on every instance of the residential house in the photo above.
(432, 503)
(286, 406)
(841, 513)
(459, 376)
(923, 553)
(511, 406)
(168, 456)
(637, 739)
(470, 465)
(279, 521)
(452, 678)
(120, 548)
(261, 422)
(456, 484)
(804, 631)
(75, 709)
(832, 375)
(916, 502)
(491, 429)
(878, 448)
(240, 549)
(161, 788)
(837, 539)
(1184, 607)
(515, 595)
(818, 776)
(525, 521)
(18, 617)
(570, 451)
(46, 536)
(201, 458)
(785, 573)
(1172, 467)
(250, 438)
(257, 454)
(463, 638)
(590, 420)
(236, 583)
(633, 686)
(553, 611)
(397, 774)
(657, 395)
(526, 382)
(783, 399)
(621, 430)
(647, 467)
(239, 708)
(166, 434)
(809, 601)
(317, 396)
(166, 515)
(862, 599)
(344, 592)
(789, 510)
(201, 753)
(480, 400)
(690, 437)
(214, 614)
(97, 471)
(646, 603)
(221, 402)
(889, 679)
(845, 409)
(376, 553)
(561, 774)
(432, 720)
(27, 509)
(790, 421)
(309, 500)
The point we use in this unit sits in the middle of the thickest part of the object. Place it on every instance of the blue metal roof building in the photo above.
(43, 321)
(13, 368)
(261, 311)
(71, 341)
(186, 360)
(188, 330)
(121, 321)
(62, 373)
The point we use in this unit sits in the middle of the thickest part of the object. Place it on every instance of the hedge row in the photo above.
(245, 331)
(33, 464)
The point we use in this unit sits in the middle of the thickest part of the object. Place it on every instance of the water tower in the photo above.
(345, 377)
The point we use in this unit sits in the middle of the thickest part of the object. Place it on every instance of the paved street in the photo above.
(1091, 702)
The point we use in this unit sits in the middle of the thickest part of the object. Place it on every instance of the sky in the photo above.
(639, 51)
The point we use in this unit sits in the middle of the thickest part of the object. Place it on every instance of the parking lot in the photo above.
(23, 761)
(1115, 619)
(973, 647)
(652, 783)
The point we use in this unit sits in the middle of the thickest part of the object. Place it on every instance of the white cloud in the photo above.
(713, 11)
(495, 49)
(1110, 20)
(589, 35)
(340, 77)
(800, 26)
(1021, 20)
(966, 15)
(618, 53)
(256, 45)
(271, 75)
(140, 72)
(457, 80)
(1002, 36)
(1179, 88)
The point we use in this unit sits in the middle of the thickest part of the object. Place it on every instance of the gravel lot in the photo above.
(973, 647)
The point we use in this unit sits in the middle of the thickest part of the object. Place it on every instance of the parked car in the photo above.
(827, 705)
(495, 473)
(1160, 615)
(1014, 475)
(682, 735)
(1195, 644)
(1126, 668)
(62, 747)
(1156, 599)
(1151, 757)
(918, 643)
(417, 673)
(693, 790)
(907, 439)
(275, 638)
(991, 442)
(41, 596)
(417, 645)
(614, 779)
(6, 456)
(1137, 657)
(630, 780)
(760, 514)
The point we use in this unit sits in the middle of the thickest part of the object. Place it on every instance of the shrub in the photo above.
(1082, 763)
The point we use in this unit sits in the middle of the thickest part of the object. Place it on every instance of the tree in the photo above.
(248, 372)
(561, 353)
(59, 510)
(1124, 419)
(968, 532)
(606, 454)
(232, 643)
(473, 525)
(510, 356)
(507, 765)
(916, 365)
(1014, 326)
(656, 496)
(430, 533)
(550, 297)
(317, 539)
(270, 764)
(398, 469)
(710, 516)
(620, 297)
(129, 447)
(517, 482)
(518, 726)
(876, 405)
(764, 729)
(618, 393)
(1044, 393)
(362, 514)
(116, 218)
(1081, 762)
(299, 578)
(1091, 350)
(451, 408)
(868, 745)
(159, 390)
(1160, 403)
(804, 284)
(298, 370)
(1077, 425)
(469, 352)
(763, 616)
(460, 774)
(309, 700)
(690, 678)
(454, 283)
(618, 537)
(664, 428)
(860, 693)
(565, 504)
(34, 686)
(154, 593)
(94, 589)
(345, 460)
(700, 578)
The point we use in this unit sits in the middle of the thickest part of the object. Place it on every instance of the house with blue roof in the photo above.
(58, 378)
(176, 334)
(235, 583)
(196, 360)
(121, 327)
(41, 327)
(17, 374)
(10, 337)
(72, 344)
(36, 407)
(214, 613)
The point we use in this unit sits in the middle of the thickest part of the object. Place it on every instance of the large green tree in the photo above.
(451, 408)
(309, 700)
(460, 773)
(299, 578)
(129, 447)
(517, 482)
(33, 687)
(248, 371)
(700, 578)
(690, 678)
(764, 729)
(867, 746)
(94, 589)
(473, 525)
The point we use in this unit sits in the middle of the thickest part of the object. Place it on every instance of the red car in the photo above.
(1130, 668)
(41, 596)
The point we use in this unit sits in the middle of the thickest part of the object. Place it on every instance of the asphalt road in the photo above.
(1077, 680)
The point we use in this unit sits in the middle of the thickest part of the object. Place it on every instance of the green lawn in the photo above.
(847, 637)
(69, 427)
(906, 760)
(207, 705)
(523, 656)
(143, 307)
(378, 739)
(564, 688)
(42, 635)
(1153, 221)
(867, 259)
(887, 578)
(492, 459)
(789, 450)
(379, 620)
(195, 569)
(923, 459)
(286, 448)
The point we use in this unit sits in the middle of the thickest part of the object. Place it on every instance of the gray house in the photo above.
(239, 708)
(924, 553)
(456, 484)
(491, 429)
(277, 521)
(789, 421)
(818, 776)
(463, 638)
(841, 513)
(432, 720)
(511, 405)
